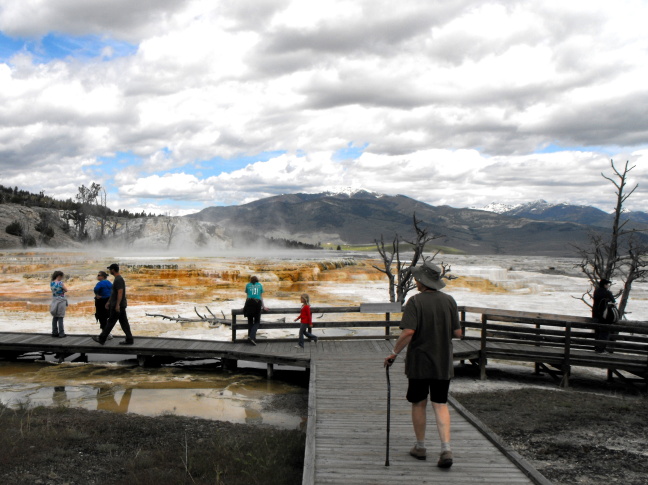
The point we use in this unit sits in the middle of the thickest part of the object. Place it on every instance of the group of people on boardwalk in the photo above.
(429, 323)
(110, 305)
(254, 306)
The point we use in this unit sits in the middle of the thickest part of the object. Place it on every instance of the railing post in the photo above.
(482, 351)
(233, 326)
(387, 327)
(462, 318)
(536, 365)
(566, 367)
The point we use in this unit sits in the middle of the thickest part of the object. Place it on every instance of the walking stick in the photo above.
(391, 361)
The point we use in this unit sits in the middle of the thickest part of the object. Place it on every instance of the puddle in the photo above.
(191, 390)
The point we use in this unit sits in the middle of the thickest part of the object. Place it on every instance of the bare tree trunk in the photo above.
(400, 283)
(103, 212)
(170, 227)
(603, 259)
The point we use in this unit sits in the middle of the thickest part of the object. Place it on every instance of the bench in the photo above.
(556, 343)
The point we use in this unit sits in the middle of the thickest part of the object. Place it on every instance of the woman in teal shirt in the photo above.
(253, 307)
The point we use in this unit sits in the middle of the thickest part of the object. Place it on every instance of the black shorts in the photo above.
(418, 390)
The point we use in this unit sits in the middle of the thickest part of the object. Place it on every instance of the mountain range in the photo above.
(361, 217)
(541, 210)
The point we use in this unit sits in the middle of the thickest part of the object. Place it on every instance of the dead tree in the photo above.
(103, 210)
(635, 268)
(171, 224)
(399, 271)
(86, 198)
(113, 225)
(619, 254)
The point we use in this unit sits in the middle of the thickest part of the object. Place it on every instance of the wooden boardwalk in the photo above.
(347, 432)
(345, 441)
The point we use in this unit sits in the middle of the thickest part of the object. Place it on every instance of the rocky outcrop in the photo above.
(42, 227)
(39, 227)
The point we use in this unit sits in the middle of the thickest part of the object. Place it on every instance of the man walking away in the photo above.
(430, 320)
(117, 309)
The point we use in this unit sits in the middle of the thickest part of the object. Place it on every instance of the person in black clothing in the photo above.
(117, 306)
(602, 297)
(253, 307)
(102, 292)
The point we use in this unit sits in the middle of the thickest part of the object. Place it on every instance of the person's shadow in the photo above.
(106, 400)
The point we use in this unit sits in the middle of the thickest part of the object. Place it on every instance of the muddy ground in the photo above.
(593, 434)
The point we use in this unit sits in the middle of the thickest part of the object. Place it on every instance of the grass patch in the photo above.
(75, 446)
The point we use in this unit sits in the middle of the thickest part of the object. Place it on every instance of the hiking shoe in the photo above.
(418, 453)
(126, 342)
(62, 335)
(299, 347)
(252, 341)
(55, 335)
(109, 337)
(445, 460)
(98, 340)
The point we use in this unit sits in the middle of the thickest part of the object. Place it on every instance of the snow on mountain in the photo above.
(350, 191)
(497, 207)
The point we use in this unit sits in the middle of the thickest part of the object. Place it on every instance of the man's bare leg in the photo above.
(419, 419)
(442, 414)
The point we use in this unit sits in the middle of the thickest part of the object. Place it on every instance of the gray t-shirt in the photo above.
(433, 316)
(118, 284)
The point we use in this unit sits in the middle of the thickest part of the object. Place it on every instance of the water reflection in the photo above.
(106, 400)
(60, 397)
(185, 391)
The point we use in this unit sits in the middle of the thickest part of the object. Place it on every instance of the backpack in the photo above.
(610, 312)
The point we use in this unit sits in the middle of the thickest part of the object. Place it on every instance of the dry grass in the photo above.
(60, 445)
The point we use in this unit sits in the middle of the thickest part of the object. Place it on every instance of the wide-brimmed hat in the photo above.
(429, 275)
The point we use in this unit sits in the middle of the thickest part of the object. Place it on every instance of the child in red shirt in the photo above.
(306, 321)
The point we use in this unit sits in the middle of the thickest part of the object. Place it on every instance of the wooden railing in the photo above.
(387, 323)
(560, 341)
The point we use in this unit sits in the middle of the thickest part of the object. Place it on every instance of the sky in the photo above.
(174, 106)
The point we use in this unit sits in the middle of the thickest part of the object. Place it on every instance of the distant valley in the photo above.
(305, 221)
(361, 217)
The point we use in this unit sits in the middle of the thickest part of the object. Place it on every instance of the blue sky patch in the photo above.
(58, 46)
(554, 148)
(350, 152)
(217, 165)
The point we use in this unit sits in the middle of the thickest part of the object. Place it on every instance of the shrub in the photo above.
(15, 229)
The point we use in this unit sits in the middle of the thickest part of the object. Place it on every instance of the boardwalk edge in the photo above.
(517, 459)
(308, 478)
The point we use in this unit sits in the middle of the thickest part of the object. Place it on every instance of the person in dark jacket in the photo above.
(117, 309)
(602, 298)
(102, 291)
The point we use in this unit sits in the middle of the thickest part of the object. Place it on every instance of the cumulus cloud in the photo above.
(459, 178)
(457, 92)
